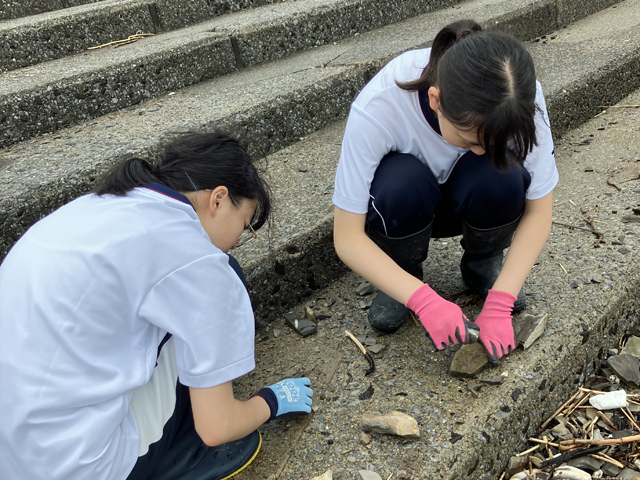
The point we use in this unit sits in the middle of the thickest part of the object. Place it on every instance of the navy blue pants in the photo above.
(406, 197)
(179, 427)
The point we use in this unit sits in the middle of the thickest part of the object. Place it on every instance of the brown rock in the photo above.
(395, 423)
(310, 314)
(365, 438)
(468, 361)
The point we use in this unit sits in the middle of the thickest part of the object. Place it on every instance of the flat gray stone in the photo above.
(516, 465)
(300, 325)
(365, 288)
(587, 463)
(629, 474)
(468, 361)
(529, 328)
(627, 367)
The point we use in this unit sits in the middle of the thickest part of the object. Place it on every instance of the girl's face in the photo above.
(451, 133)
(221, 218)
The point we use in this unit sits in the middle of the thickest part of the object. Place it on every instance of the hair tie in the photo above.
(465, 32)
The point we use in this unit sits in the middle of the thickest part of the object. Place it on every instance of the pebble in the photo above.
(365, 438)
(395, 423)
(365, 288)
(276, 333)
(328, 475)
(369, 475)
(303, 168)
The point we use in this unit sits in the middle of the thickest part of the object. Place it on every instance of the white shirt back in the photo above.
(86, 297)
(384, 118)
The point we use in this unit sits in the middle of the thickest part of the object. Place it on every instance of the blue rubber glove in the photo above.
(290, 396)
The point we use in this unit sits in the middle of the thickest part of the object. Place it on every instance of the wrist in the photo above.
(270, 399)
(501, 298)
(418, 297)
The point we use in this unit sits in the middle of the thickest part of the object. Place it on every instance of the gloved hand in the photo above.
(287, 397)
(496, 330)
(443, 320)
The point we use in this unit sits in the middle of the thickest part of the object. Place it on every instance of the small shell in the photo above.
(570, 473)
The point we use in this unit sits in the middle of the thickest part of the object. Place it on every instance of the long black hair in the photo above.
(486, 81)
(194, 161)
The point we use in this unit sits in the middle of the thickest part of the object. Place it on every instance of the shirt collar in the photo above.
(159, 188)
(429, 116)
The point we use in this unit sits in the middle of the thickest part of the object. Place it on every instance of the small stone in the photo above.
(633, 408)
(468, 361)
(376, 348)
(321, 314)
(351, 459)
(561, 432)
(365, 288)
(303, 168)
(627, 367)
(395, 423)
(300, 325)
(328, 475)
(624, 251)
(276, 333)
(364, 304)
(613, 352)
(628, 474)
(365, 438)
(574, 284)
(369, 341)
(631, 219)
(494, 380)
(586, 462)
(309, 313)
(516, 464)
(369, 475)
(567, 471)
(588, 169)
(596, 280)
(632, 347)
(515, 395)
(529, 328)
(610, 470)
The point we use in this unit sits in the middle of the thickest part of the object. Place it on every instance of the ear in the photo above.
(216, 196)
(434, 98)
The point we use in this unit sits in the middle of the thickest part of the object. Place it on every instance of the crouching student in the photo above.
(123, 322)
(444, 141)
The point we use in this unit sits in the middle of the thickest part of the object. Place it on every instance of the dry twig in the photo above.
(555, 414)
(130, 39)
(576, 442)
(367, 355)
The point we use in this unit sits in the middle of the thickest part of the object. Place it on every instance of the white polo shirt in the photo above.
(384, 118)
(86, 297)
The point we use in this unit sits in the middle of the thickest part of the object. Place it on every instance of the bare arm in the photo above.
(531, 235)
(365, 258)
(220, 418)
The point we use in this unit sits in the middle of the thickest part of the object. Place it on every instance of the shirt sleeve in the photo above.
(364, 144)
(207, 309)
(541, 161)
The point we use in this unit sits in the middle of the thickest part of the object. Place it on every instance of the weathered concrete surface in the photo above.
(583, 323)
(23, 8)
(99, 82)
(273, 106)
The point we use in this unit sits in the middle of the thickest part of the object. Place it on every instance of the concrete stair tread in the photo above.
(10, 9)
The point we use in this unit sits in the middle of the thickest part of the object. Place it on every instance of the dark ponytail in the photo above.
(444, 40)
(487, 81)
(190, 162)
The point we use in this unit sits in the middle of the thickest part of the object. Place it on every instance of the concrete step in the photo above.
(275, 105)
(591, 297)
(23, 8)
(102, 81)
(57, 34)
(44, 98)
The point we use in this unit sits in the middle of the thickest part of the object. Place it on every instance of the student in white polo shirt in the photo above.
(123, 322)
(448, 140)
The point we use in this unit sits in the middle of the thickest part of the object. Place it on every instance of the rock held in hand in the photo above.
(395, 423)
(468, 361)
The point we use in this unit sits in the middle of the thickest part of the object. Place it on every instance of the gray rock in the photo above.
(328, 475)
(376, 348)
(468, 361)
(303, 168)
(628, 474)
(561, 432)
(516, 465)
(587, 463)
(627, 367)
(610, 470)
(369, 475)
(365, 438)
(300, 325)
(276, 333)
(365, 288)
(529, 328)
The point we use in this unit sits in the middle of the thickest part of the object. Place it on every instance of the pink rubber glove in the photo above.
(496, 330)
(444, 321)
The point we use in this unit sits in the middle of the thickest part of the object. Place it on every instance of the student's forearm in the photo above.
(220, 420)
(529, 240)
(365, 258)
